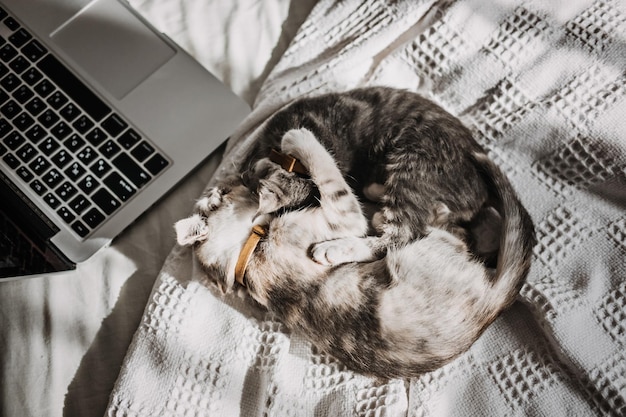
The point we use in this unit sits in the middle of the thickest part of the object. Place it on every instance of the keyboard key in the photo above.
(61, 130)
(44, 88)
(3, 96)
(66, 215)
(32, 76)
(120, 187)
(88, 184)
(131, 170)
(38, 187)
(11, 160)
(74, 142)
(52, 178)
(10, 109)
(114, 125)
(19, 38)
(48, 146)
(4, 70)
(86, 155)
(156, 164)
(74, 88)
(142, 151)
(93, 218)
(57, 99)
(48, 118)
(70, 112)
(62, 158)
(23, 121)
(80, 229)
(19, 64)
(11, 23)
(3, 149)
(25, 174)
(35, 106)
(75, 171)
(13, 140)
(10, 82)
(105, 201)
(66, 191)
(100, 168)
(96, 136)
(22, 94)
(39, 165)
(109, 149)
(36, 133)
(7, 52)
(52, 200)
(5, 127)
(83, 124)
(34, 50)
(3, 13)
(129, 139)
(26, 153)
(79, 204)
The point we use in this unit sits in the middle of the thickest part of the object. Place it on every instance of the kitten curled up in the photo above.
(408, 312)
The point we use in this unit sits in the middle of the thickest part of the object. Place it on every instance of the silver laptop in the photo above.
(100, 115)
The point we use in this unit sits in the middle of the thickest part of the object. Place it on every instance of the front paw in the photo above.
(211, 200)
(340, 251)
(296, 143)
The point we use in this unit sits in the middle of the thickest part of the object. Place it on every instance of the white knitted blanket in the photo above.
(543, 87)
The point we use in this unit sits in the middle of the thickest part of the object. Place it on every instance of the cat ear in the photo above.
(268, 200)
(191, 230)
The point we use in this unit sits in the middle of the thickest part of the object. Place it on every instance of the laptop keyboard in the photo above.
(77, 154)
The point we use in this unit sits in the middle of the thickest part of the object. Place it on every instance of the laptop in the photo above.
(100, 116)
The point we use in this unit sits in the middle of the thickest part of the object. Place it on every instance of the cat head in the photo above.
(218, 229)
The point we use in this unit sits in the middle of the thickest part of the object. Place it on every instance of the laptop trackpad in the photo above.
(112, 45)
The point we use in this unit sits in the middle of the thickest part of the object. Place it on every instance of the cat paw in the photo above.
(340, 251)
(296, 142)
(211, 200)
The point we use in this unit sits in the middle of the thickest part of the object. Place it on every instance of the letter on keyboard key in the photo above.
(120, 187)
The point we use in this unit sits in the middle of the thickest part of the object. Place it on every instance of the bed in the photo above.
(135, 331)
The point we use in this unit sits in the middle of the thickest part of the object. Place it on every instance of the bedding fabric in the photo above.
(542, 85)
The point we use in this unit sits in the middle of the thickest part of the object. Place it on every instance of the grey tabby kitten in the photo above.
(398, 315)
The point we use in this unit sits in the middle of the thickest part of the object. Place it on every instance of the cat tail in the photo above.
(517, 237)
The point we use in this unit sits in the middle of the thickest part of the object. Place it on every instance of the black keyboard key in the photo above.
(22, 94)
(52, 178)
(7, 52)
(120, 187)
(5, 127)
(80, 229)
(39, 165)
(105, 201)
(100, 168)
(11, 160)
(66, 191)
(86, 155)
(3, 149)
(93, 218)
(19, 38)
(32, 76)
(61, 130)
(82, 124)
(34, 50)
(48, 146)
(35, 106)
(11, 23)
(74, 88)
(10, 82)
(44, 88)
(19, 64)
(114, 125)
(131, 170)
(70, 112)
(52, 200)
(3, 96)
(129, 139)
(66, 215)
(26, 153)
(74, 142)
(142, 151)
(96, 136)
(48, 118)
(35, 133)
(3, 13)
(25, 174)
(10, 109)
(23, 121)
(61, 158)
(156, 164)
(38, 187)
(79, 204)
(14, 140)
(57, 99)
(4, 70)
(88, 184)
(75, 171)
(109, 149)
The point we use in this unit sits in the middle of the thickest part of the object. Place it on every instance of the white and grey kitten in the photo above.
(405, 313)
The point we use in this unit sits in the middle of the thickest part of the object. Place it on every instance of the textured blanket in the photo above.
(542, 86)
